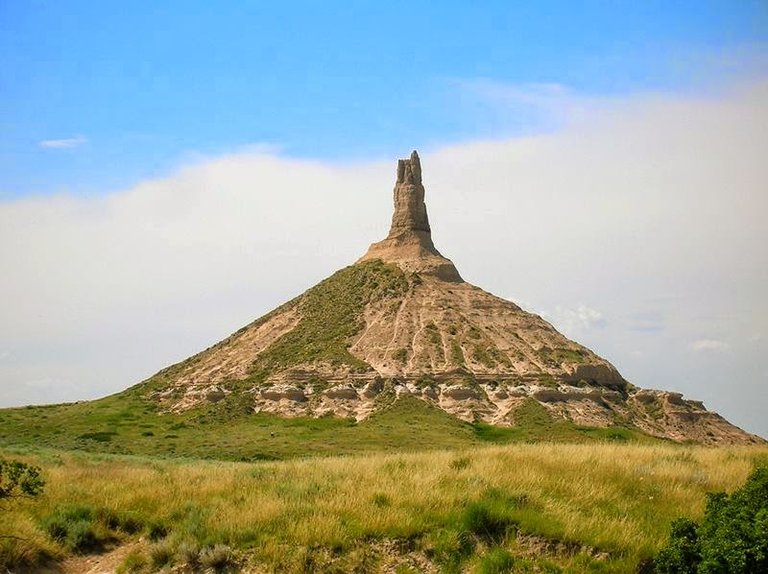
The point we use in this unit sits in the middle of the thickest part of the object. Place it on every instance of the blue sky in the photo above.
(138, 88)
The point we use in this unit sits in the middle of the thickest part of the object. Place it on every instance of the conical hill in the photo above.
(401, 321)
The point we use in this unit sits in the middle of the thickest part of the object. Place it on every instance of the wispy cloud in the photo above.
(577, 319)
(709, 346)
(518, 108)
(65, 143)
(647, 322)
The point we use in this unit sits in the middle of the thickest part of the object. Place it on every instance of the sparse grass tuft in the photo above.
(496, 561)
(457, 354)
(161, 554)
(135, 561)
(219, 558)
(400, 355)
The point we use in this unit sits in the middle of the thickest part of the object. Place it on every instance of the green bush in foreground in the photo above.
(732, 538)
(18, 479)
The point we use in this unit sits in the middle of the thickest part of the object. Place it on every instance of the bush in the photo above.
(732, 538)
(18, 479)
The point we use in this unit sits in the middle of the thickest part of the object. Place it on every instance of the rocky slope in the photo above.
(401, 321)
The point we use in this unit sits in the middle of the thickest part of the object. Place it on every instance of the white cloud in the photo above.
(518, 108)
(572, 321)
(709, 345)
(650, 208)
(66, 143)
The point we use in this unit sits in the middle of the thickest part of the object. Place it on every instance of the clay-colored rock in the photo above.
(461, 392)
(284, 392)
(409, 243)
(342, 392)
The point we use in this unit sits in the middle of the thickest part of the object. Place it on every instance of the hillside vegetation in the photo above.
(128, 423)
(520, 508)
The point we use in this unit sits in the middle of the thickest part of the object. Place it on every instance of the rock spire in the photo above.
(409, 242)
(410, 210)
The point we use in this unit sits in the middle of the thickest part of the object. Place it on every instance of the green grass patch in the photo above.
(229, 430)
(457, 354)
(481, 355)
(558, 356)
(331, 314)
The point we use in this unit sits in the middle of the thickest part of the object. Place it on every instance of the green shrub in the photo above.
(19, 479)
(683, 553)
(732, 538)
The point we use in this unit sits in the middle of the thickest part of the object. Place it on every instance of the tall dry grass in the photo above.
(614, 502)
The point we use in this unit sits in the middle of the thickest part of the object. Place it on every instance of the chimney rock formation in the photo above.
(409, 243)
(410, 326)
(410, 209)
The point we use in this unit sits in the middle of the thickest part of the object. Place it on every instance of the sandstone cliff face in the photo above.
(401, 321)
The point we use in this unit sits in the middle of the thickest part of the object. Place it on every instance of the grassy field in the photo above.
(128, 424)
(516, 508)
